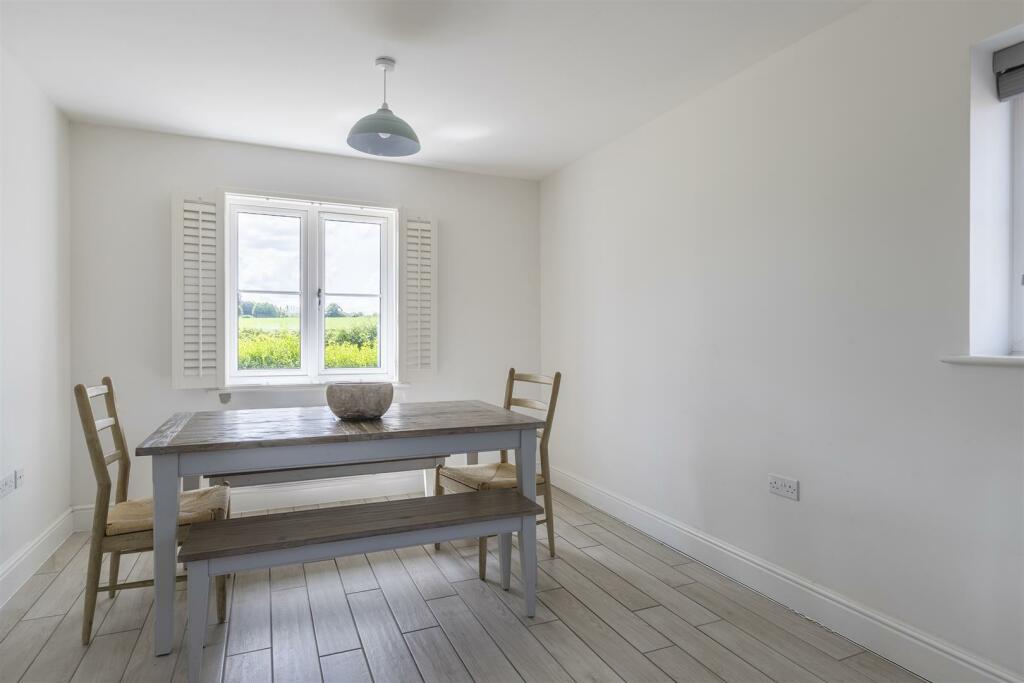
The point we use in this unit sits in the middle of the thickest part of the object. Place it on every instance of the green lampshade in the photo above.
(384, 134)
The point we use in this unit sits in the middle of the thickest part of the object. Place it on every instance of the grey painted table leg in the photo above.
(526, 479)
(165, 527)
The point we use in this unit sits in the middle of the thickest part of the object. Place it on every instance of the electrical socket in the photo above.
(19, 478)
(7, 485)
(784, 486)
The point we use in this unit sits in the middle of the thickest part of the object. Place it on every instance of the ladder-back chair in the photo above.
(128, 525)
(502, 474)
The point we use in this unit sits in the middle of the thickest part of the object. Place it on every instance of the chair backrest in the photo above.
(548, 407)
(92, 427)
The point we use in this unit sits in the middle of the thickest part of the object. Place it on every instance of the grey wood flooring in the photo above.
(614, 605)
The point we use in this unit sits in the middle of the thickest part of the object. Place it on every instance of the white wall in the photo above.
(34, 325)
(762, 281)
(122, 182)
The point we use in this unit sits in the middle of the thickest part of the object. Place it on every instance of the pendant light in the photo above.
(382, 133)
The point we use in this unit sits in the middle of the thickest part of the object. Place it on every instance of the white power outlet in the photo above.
(7, 485)
(784, 486)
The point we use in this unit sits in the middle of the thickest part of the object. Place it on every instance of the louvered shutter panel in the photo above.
(1008, 65)
(418, 323)
(198, 325)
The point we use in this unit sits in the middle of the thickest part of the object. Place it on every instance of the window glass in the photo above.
(269, 300)
(351, 332)
(269, 252)
(269, 331)
(351, 257)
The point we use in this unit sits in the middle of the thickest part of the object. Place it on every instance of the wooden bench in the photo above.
(225, 546)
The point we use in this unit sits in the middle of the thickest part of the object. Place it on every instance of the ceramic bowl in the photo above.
(359, 400)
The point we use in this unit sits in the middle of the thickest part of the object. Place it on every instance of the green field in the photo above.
(274, 343)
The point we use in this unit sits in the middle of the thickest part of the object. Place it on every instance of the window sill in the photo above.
(995, 361)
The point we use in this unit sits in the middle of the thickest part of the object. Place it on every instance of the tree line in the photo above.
(265, 309)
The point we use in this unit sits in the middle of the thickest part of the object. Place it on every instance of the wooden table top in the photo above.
(219, 430)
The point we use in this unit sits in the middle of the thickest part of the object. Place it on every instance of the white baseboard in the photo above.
(291, 494)
(19, 567)
(81, 516)
(929, 656)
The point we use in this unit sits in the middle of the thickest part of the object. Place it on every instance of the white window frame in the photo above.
(313, 215)
(388, 310)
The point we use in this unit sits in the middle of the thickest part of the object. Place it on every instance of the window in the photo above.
(310, 291)
(280, 291)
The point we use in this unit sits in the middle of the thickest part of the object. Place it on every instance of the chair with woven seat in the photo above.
(127, 527)
(502, 474)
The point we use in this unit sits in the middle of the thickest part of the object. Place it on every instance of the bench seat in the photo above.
(248, 535)
(225, 546)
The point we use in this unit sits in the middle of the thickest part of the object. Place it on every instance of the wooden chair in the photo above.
(128, 525)
(502, 474)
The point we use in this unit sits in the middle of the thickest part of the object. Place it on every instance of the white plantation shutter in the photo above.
(418, 294)
(198, 322)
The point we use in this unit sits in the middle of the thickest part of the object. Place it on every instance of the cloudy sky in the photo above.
(269, 259)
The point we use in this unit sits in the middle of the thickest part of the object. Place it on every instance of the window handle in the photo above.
(320, 297)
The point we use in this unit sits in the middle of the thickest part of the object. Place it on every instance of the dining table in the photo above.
(195, 444)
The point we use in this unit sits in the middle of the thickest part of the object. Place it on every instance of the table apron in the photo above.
(311, 455)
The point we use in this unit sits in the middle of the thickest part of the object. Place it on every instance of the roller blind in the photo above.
(198, 321)
(1008, 65)
(418, 324)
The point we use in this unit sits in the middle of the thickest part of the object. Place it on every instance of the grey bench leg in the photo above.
(198, 604)
(505, 559)
(528, 555)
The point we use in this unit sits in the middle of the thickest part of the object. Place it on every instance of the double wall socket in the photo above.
(784, 486)
(7, 485)
(14, 480)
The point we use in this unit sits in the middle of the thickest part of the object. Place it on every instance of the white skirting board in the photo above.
(923, 653)
(18, 568)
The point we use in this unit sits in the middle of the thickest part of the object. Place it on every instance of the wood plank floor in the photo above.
(614, 605)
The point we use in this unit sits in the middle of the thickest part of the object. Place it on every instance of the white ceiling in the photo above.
(516, 89)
